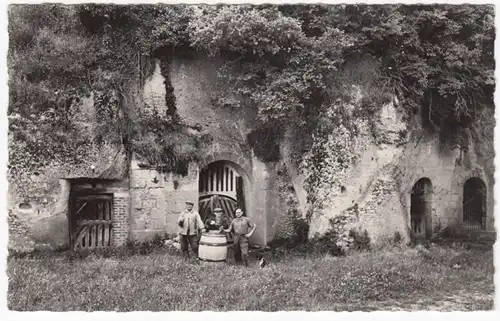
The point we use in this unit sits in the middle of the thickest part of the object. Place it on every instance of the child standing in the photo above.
(242, 228)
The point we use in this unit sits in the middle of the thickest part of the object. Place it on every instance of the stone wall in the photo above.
(379, 182)
(157, 199)
(288, 212)
(19, 237)
(33, 228)
(195, 87)
(448, 174)
(265, 199)
(380, 214)
(38, 198)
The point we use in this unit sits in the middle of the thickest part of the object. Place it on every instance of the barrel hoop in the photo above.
(213, 244)
(213, 235)
(208, 260)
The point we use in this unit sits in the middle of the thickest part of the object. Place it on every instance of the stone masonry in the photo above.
(157, 199)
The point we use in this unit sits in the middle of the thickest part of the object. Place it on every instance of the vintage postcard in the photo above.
(250, 157)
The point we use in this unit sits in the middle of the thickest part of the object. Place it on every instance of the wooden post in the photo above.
(240, 197)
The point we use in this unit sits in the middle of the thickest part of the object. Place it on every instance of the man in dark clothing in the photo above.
(217, 221)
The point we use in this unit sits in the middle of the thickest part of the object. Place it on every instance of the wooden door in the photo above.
(91, 221)
(417, 215)
(421, 209)
(218, 178)
(474, 204)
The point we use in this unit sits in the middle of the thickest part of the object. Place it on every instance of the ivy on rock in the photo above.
(291, 64)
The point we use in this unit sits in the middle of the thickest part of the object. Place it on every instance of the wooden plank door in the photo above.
(91, 222)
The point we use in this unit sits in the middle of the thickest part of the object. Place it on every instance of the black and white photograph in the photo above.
(250, 157)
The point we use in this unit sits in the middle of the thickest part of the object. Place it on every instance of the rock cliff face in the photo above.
(195, 85)
(372, 193)
(38, 200)
(369, 182)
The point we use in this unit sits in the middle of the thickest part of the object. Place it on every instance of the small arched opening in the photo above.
(221, 184)
(474, 204)
(421, 209)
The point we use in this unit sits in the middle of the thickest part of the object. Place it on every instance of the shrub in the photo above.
(361, 241)
(146, 247)
(451, 232)
(301, 245)
(301, 228)
(328, 243)
(397, 239)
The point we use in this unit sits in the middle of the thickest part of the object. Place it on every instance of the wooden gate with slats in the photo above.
(220, 186)
(91, 221)
(208, 203)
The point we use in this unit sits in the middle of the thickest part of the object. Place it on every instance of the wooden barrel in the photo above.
(212, 247)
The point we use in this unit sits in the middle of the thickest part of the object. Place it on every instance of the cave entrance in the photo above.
(474, 204)
(221, 185)
(421, 209)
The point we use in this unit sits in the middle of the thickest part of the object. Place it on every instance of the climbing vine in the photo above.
(286, 63)
(169, 90)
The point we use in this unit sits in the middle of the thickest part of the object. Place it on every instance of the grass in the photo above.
(391, 279)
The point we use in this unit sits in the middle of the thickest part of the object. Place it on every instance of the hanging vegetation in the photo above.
(283, 61)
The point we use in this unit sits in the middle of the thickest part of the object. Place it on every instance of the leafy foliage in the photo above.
(45, 74)
(74, 73)
(291, 64)
(277, 67)
(441, 49)
(165, 143)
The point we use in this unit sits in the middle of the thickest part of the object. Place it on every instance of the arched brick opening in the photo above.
(474, 204)
(421, 209)
(225, 181)
(243, 165)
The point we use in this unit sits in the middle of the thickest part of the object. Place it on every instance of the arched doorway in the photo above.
(421, 209)
(474, 204)
(221, 185)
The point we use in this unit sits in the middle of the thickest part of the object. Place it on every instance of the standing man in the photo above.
(243, 228)
(190, 224)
